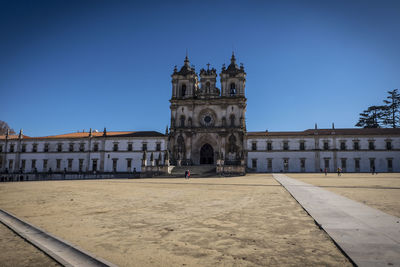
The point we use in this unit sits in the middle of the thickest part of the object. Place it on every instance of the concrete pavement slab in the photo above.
(368, 236)
(58, 249)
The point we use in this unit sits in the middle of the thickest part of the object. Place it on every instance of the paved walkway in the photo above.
(368, 236)
(63, 252)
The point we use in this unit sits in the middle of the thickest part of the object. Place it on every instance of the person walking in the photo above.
(186, 174)
(326, 171)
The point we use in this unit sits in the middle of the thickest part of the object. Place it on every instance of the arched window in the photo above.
(232, 118)
(233, 89)
(182, 121)
(181, 144)
(183, 90)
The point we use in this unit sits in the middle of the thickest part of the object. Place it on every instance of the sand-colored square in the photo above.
(246, 221)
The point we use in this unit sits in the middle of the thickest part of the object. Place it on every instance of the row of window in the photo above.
(71, 147)
(45, 164)
(302, 146)
(343, 162)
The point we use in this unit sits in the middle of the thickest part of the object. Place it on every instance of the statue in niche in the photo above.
(181, 147)
(232, 144)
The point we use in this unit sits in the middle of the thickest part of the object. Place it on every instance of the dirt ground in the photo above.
(246, 221)
(381, 191)
(14, 251)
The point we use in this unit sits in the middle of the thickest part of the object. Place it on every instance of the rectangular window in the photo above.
(46, 148)
(269, 164)
(10, 164)
(44, 164)
(128, 163)
(390, 165)
(144, 147)
(96, 147)
(357, 164)
(285, 165)
(12, 148)
(158, 147)
(254, 163)
(326, 145)
(302, 145)
(343, 145)
(302, 164)
(34, 148)
(115, 147)
(82, 147)
(70, 164)
(326, 164)
(371, 145)
(389, 145)
(58, 166)
(59, 147)
(269, 146)
(285, 145)
(254, 146)
(33, 164)
(372, 165)
(80, 165)
(1, 148)
(94, 166)
(23, 164)
(1, 162)
(115, 164)
(23, 148)
(356, 145)
(130, 148)
(344, 165)
(71, 147)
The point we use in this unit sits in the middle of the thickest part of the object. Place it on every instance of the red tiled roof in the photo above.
(94, 134)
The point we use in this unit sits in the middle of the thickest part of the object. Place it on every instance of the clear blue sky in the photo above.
(73, 65)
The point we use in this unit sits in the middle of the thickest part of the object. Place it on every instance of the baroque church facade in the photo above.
(207, 128)
(208, 123)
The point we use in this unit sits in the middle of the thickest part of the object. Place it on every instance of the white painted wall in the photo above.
(334, 154)
(52, 155)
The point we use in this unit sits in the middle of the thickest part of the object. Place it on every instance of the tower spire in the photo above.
(186, 59)
(233, 59)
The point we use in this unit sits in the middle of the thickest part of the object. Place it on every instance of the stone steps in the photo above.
(195, 171)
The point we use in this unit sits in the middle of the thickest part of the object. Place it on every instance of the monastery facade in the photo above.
(207, 127)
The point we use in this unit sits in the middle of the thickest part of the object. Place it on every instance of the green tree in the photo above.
(4, 127)
(371, 117)
(391, 115)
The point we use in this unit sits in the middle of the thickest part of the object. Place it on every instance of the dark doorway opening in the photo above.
(206, 154)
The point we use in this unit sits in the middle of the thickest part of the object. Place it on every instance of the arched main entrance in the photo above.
(206, 154)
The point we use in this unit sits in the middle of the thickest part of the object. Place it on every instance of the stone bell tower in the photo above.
(208, 124)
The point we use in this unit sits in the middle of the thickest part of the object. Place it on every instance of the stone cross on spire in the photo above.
(233, 59)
